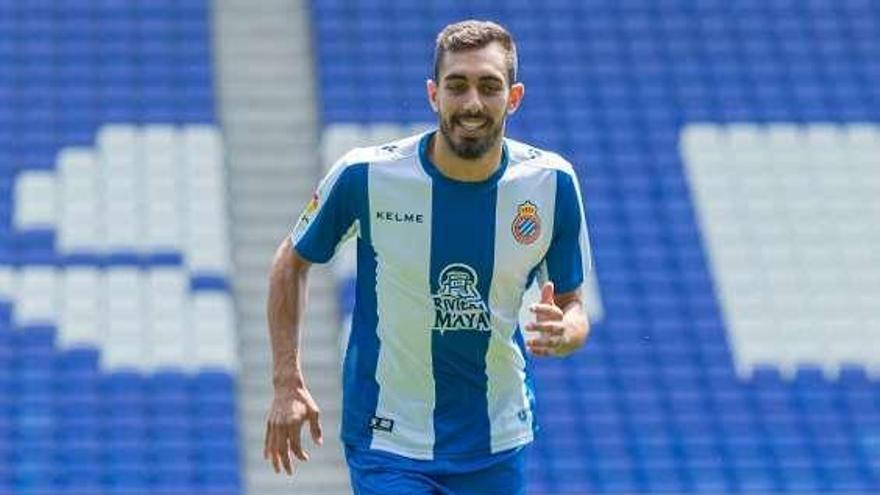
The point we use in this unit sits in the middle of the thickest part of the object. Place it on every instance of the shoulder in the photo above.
(523, 155)
(354, 167)
(381, 154)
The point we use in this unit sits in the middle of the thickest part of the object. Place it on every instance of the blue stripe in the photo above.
(332, 221)
(360, 392)
(462, 233)
(564, 258)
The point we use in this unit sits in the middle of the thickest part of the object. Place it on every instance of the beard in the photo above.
(471, 147)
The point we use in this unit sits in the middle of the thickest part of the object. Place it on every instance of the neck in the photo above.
(457, 168)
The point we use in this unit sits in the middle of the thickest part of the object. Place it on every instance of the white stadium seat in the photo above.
(8, 283)
(118, 140)
(213, 322)
(167, 292)
(338, 139)
(160, 142)
(38, 295)
(81, 305)
(140, 190)
(383, 133)
(202, 148)
(80, 226)
(789, 214)
(35, 195)
(123, 352)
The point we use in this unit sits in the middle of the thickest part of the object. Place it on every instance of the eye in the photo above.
(490, 88)
(456, 86)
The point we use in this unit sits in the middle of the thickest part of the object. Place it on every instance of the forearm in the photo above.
(288, 285)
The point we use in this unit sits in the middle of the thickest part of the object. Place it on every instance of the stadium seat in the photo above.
(95, 292)
(616, 88)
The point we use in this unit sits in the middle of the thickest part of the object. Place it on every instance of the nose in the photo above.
(472, 102)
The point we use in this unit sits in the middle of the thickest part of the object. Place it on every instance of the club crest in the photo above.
(526, 226)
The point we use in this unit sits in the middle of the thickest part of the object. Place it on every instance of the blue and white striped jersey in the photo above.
(435, 366)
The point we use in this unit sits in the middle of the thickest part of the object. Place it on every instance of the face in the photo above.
(472, 100)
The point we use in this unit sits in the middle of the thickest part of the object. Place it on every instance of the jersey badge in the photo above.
(526, 226)
(310, 208)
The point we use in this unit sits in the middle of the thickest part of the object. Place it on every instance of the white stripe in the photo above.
(584, 240)
(404, 370)
(505, 364)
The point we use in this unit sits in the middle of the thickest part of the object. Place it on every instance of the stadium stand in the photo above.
(117, 355)
(708, 372)
(676, 393)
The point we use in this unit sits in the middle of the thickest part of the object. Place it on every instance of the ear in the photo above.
(431, 88)
(517, 92)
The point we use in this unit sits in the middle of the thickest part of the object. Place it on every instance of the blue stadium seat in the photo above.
(72, 426)
(78, 360)
(642, 71)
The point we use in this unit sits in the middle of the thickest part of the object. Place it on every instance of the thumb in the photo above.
(547, 293)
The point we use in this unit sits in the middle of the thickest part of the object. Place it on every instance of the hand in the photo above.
(286, 416)
(558, 336)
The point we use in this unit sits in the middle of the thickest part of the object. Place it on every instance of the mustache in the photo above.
(461, 116)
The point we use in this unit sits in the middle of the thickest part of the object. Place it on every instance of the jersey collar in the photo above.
(432, 170)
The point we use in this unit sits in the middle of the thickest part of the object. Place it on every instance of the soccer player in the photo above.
(452, 226)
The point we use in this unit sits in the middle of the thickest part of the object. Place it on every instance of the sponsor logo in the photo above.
(400, 217)
(381, 424)
(457, 303)
(526, 226)
(313, 204)
(310, 209)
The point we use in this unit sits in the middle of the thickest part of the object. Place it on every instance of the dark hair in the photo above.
(473, 35)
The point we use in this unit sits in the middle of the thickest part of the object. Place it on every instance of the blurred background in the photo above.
(153, 153)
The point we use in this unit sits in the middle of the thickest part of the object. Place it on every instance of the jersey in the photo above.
(435, 366)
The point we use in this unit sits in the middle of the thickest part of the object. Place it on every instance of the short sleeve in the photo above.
(331, 216)
(568, 259)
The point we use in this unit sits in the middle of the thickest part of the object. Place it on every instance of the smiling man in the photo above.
(452, 226)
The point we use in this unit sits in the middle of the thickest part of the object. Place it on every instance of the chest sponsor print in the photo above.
(458, 304)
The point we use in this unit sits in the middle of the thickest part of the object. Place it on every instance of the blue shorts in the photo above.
(374, 472)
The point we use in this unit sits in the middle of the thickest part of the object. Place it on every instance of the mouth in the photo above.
(472, 124)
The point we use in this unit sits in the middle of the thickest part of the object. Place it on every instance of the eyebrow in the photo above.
(482, 79)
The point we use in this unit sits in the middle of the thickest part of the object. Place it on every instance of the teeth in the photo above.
(472, 124)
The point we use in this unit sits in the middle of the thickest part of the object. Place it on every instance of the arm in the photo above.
(561, 321)
(293, 404)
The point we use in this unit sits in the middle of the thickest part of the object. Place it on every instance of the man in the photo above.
(451, 228)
